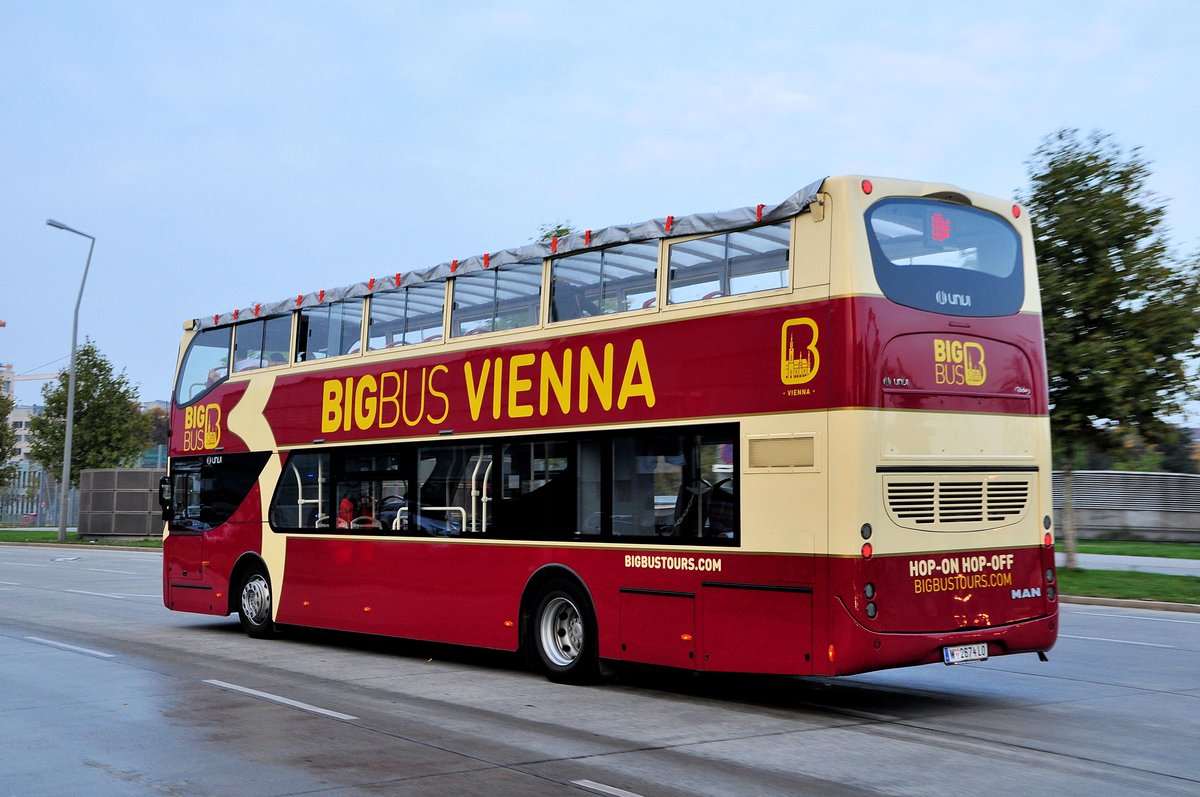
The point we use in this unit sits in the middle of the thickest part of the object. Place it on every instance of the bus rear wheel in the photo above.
(254, 605)
(563, 634)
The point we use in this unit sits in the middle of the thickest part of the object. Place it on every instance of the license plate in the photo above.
(962, 653)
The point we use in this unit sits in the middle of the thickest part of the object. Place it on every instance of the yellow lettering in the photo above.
(636, 369)
(331, 406)
(518, 385)
(386, 398)
(589, 374)
(559, 382)
(365, 403)
(349, 397)
(433, 391)
(498, 388)
(413, 421)
(475, 389)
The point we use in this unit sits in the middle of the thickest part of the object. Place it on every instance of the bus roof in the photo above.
(695, 224)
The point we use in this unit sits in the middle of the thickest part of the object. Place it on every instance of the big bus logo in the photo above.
(798, 357)
(202, 427)
(958, 362)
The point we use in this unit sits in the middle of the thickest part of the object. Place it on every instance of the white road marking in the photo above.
(592, 785)
(22, 564)
(10, 583)
(94, 594)
(324, 712)
(1118, 641)
(65, 646)
(118, 572)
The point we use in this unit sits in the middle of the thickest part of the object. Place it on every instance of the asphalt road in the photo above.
(105, 692)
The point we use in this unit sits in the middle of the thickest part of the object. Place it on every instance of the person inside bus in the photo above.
(570, 301)
(347, 511)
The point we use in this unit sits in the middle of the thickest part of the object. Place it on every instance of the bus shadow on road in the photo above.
(784, 694)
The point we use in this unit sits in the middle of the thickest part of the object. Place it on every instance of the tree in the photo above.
(8, 440)
(110, 429)
(1120, 316)
(558, 229)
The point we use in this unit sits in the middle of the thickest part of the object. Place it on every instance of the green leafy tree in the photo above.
(558, 229)
(110, 429)
(8, 440)
(1120, 315)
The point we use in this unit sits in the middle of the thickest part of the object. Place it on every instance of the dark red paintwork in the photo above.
(796, 614)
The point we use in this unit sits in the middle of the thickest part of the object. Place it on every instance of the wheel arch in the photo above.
(533, 587)
(246, 563)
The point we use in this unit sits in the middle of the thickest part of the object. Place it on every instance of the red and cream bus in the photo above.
(808, 438)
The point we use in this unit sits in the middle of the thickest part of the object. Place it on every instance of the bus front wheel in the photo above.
(254, 605)
(563, 633)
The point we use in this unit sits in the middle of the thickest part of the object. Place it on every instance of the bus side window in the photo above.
(729, 264)
(675, 486)
(506, 297)
(604, 281)
(304, 497)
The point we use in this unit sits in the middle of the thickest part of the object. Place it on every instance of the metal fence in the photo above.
(1109, 504)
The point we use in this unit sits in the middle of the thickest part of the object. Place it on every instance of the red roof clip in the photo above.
(758, 213)
(235, 315)
(216, 318)
(670, 221)
(300, 300)
(257, 307)
(453, 266)
(487, 259)
(371, 284)
(321, 296)
(554, 244)
(587, 238)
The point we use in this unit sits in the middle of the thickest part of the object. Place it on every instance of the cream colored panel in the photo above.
(248, 422)
(858, 492)
(920, 436)
(785, 510)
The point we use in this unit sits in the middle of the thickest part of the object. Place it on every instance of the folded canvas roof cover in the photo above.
(696, 224)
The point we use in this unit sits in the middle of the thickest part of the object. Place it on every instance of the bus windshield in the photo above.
(945, 258)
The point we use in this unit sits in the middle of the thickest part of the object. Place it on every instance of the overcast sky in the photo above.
(227, 153)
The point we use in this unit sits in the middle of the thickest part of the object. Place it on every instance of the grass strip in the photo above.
(40, 535)
(1130, 585)
(1171, 550)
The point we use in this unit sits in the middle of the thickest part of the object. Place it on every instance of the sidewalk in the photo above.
(1142, 564)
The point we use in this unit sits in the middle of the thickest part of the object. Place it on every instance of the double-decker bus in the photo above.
(809, 438)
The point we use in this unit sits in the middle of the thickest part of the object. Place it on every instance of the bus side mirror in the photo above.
(164, 496)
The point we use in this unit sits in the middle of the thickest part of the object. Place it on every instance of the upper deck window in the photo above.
(730, 264)
(506, 297)
(945, 258)
(604, 281)
(411, 315)
(262, 343)
(329, 330)
(205, 364)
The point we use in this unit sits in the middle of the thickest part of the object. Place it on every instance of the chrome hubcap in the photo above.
(561, 632)
(256, 600)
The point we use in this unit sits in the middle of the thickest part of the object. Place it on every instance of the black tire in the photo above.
(562, 633)
(255, 604)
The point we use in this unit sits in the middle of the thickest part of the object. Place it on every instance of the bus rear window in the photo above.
(945, 258)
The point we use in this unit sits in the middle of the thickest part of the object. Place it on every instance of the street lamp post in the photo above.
(66, 468)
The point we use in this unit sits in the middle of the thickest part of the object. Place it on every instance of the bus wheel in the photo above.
(564, 634)
(254, 605)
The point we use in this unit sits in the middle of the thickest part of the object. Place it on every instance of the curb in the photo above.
(1125, 603)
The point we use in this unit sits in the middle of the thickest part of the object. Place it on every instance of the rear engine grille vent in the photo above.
(955, 503)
